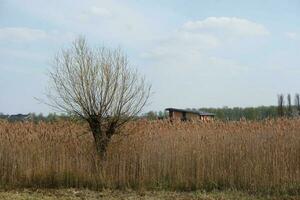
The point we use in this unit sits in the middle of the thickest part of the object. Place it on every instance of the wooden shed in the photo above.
(183, 114)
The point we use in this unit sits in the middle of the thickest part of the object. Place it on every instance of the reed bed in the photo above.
(253, 156)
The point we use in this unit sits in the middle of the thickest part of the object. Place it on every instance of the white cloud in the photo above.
(108, 20)
(293, 35)
(180, 44)
(21, 34)
(100, 11)
(196, 38)
(227, 25)
(199, 52)
(116, 21)
(95, 12)
(25, 34)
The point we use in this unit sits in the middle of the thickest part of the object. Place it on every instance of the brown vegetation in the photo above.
(254, 156)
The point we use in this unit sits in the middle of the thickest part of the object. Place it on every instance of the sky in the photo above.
(195, 53)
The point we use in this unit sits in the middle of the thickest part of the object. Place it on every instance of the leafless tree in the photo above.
(280, 105)
(297, 103)
(98, 85)
(289, 106)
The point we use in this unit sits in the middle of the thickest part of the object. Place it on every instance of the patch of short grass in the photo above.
(80, 194)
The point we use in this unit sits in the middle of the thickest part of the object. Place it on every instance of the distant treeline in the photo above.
(283, 109)
(249, 113)
(237, 113)
(51, 117)
(225, 113)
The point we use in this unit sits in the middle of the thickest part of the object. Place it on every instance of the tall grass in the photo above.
(256, 156)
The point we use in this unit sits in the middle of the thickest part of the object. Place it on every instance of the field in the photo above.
(254, 157)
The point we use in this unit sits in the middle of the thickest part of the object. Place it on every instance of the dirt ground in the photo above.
(76, 194)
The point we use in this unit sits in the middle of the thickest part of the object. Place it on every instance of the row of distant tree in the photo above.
(51, 117)
(285, 108)
(226, 113)
(288, 109)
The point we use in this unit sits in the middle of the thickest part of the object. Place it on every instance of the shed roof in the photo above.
(199, 112)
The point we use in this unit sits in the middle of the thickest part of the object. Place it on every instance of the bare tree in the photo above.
(297, 103)
(289, 106)
(98, 85)
(280, 105)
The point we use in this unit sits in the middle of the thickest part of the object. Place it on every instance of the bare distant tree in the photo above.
(280, 105)
(98, 85)
(297, 103)
(289, 105)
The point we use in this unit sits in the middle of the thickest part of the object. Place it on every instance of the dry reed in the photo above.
(254, 156)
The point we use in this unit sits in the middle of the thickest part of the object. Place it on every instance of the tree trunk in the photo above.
(100, 137)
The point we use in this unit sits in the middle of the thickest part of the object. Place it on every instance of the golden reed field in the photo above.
(252, 156)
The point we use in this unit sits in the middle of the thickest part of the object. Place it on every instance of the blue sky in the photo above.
(194, 53)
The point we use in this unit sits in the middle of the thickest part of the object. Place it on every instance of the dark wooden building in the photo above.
(182, 114)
